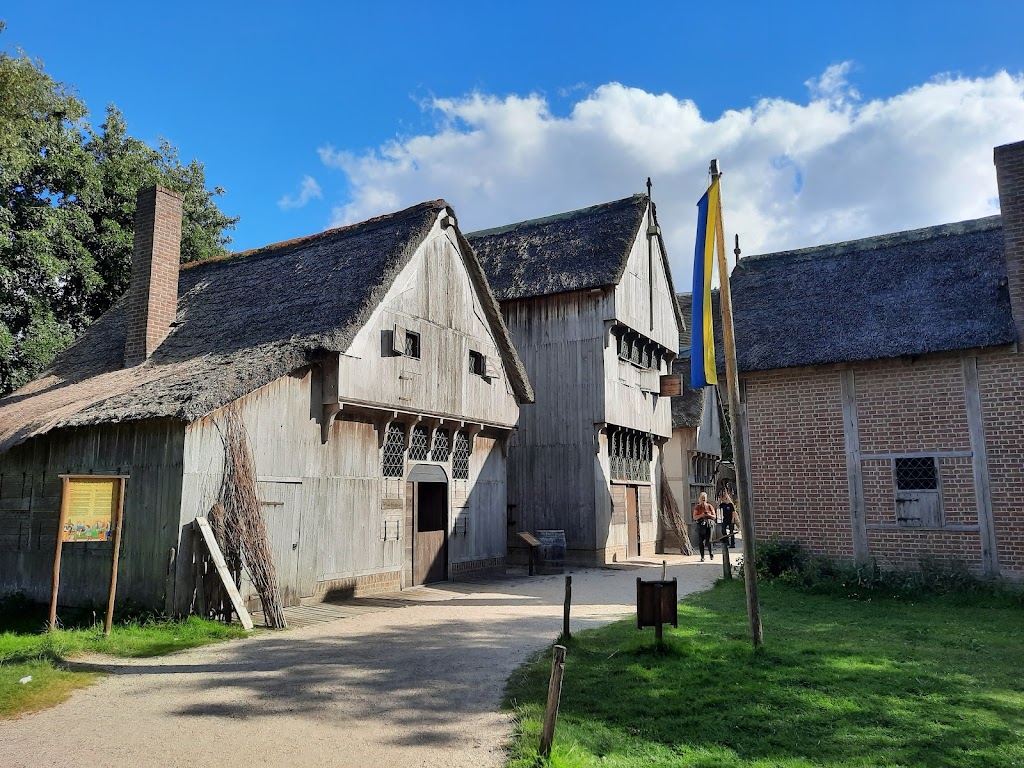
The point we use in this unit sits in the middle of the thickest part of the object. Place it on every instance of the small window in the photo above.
(442, 446)
(412, 345)
(393, 459)
(916, 474)
(418, 443)
(918, 496)
(477, 363)
(460, 456)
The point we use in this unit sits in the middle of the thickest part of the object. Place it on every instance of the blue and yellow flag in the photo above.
(702, 333)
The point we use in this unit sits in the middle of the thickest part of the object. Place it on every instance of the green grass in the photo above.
(841, 682)
(27, 650)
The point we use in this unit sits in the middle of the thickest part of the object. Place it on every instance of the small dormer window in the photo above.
(477, 363)
(412, 345)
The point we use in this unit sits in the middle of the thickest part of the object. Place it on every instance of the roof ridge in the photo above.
(360, 226)
(555, 216)
(876, 242)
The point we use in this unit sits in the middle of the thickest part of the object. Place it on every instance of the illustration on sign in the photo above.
(91, 506)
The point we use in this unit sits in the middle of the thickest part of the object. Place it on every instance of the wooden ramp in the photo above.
(336, 610)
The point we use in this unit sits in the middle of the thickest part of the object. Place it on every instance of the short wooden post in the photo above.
(532, 550)
(567, 607)
(726, 563)
(547, 734)
(118, 517)
(664, 570)
(56, 557)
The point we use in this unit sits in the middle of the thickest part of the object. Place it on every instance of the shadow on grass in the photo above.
(841, 683)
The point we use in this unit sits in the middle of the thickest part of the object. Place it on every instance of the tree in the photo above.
(67, 203)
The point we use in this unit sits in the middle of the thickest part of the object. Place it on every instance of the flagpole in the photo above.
(737, 412)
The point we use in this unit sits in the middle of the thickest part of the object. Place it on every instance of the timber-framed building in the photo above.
(588, 299)
(370, 367)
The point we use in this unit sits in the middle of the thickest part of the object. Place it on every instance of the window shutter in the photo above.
(398, 340)
(490, 367)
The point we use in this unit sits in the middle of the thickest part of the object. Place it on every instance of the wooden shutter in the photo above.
(646, 505)
(618, 504)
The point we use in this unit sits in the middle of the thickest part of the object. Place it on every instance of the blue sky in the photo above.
(831, 120)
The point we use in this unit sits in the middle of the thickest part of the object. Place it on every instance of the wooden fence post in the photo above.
(567, 607)
(547, 734)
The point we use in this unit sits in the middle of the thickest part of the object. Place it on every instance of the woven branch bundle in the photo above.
(243, 522)
(672, 517)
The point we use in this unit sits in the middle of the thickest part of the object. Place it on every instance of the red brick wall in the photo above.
(1001, 378)
(1009, 160)
(153, 293)
(798, 458)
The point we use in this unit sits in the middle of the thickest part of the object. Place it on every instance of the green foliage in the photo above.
(790, 563)
(67, 203)
(840, 684)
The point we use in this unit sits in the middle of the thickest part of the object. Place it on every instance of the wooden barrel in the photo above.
(552, 551)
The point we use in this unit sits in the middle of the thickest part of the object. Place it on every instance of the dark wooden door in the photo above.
(632, 523)
(430, 543)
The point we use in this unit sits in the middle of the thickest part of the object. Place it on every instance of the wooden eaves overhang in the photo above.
(335, 407)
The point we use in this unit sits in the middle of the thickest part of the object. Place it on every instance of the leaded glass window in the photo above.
(460, 456)
(392, 463)
(916, 473)
(630, 454)
(442, 446)
(412, 344)
(418, 443)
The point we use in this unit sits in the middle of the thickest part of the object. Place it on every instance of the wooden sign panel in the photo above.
(671, 385)
(91, 507)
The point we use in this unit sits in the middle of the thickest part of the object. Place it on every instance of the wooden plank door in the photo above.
(280, 508)
(632, 523)
(430, 543)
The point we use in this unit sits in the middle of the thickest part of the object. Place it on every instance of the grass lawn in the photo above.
(842, 682)
(25, 650)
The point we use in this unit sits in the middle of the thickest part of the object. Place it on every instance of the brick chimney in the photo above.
(153, 292)
(1010, 178)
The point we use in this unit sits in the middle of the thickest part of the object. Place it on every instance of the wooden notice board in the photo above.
(92, 505)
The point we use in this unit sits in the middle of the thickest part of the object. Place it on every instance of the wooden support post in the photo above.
(532, 549)
(172, 560)
(567, 607)
(547, 734)
(118, 518)
(726, 564)
(739, 428)
(222, 570)
(664, 570)
(56, 556)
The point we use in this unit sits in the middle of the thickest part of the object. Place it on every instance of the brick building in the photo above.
(884, 387)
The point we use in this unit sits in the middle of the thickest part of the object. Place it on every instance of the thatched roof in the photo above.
(242, 322)
(687, 407)
(572, 251)
(909, 293)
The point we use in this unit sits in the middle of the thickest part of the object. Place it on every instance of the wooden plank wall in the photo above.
(329, 513)
(551, 466)
(433, 297)
(151, 453)
(645, 281)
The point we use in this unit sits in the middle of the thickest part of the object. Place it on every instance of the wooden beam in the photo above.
(56, 556)
(854, 474)
(118, 520)
(979, 467)
(222, 570)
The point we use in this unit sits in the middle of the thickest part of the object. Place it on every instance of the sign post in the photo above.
(91, 509)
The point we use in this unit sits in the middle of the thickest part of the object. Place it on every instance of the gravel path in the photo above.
(412, 686)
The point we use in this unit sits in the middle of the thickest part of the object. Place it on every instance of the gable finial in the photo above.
(649, 187)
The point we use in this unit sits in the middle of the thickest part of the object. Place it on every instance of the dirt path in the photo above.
(412, 686)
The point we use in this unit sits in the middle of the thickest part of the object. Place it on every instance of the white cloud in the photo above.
(308, 191)
(796, 174)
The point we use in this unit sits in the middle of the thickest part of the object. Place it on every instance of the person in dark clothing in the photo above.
(704, 517)
(728, 510)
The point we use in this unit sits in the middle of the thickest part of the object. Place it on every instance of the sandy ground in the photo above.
(412, 686)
